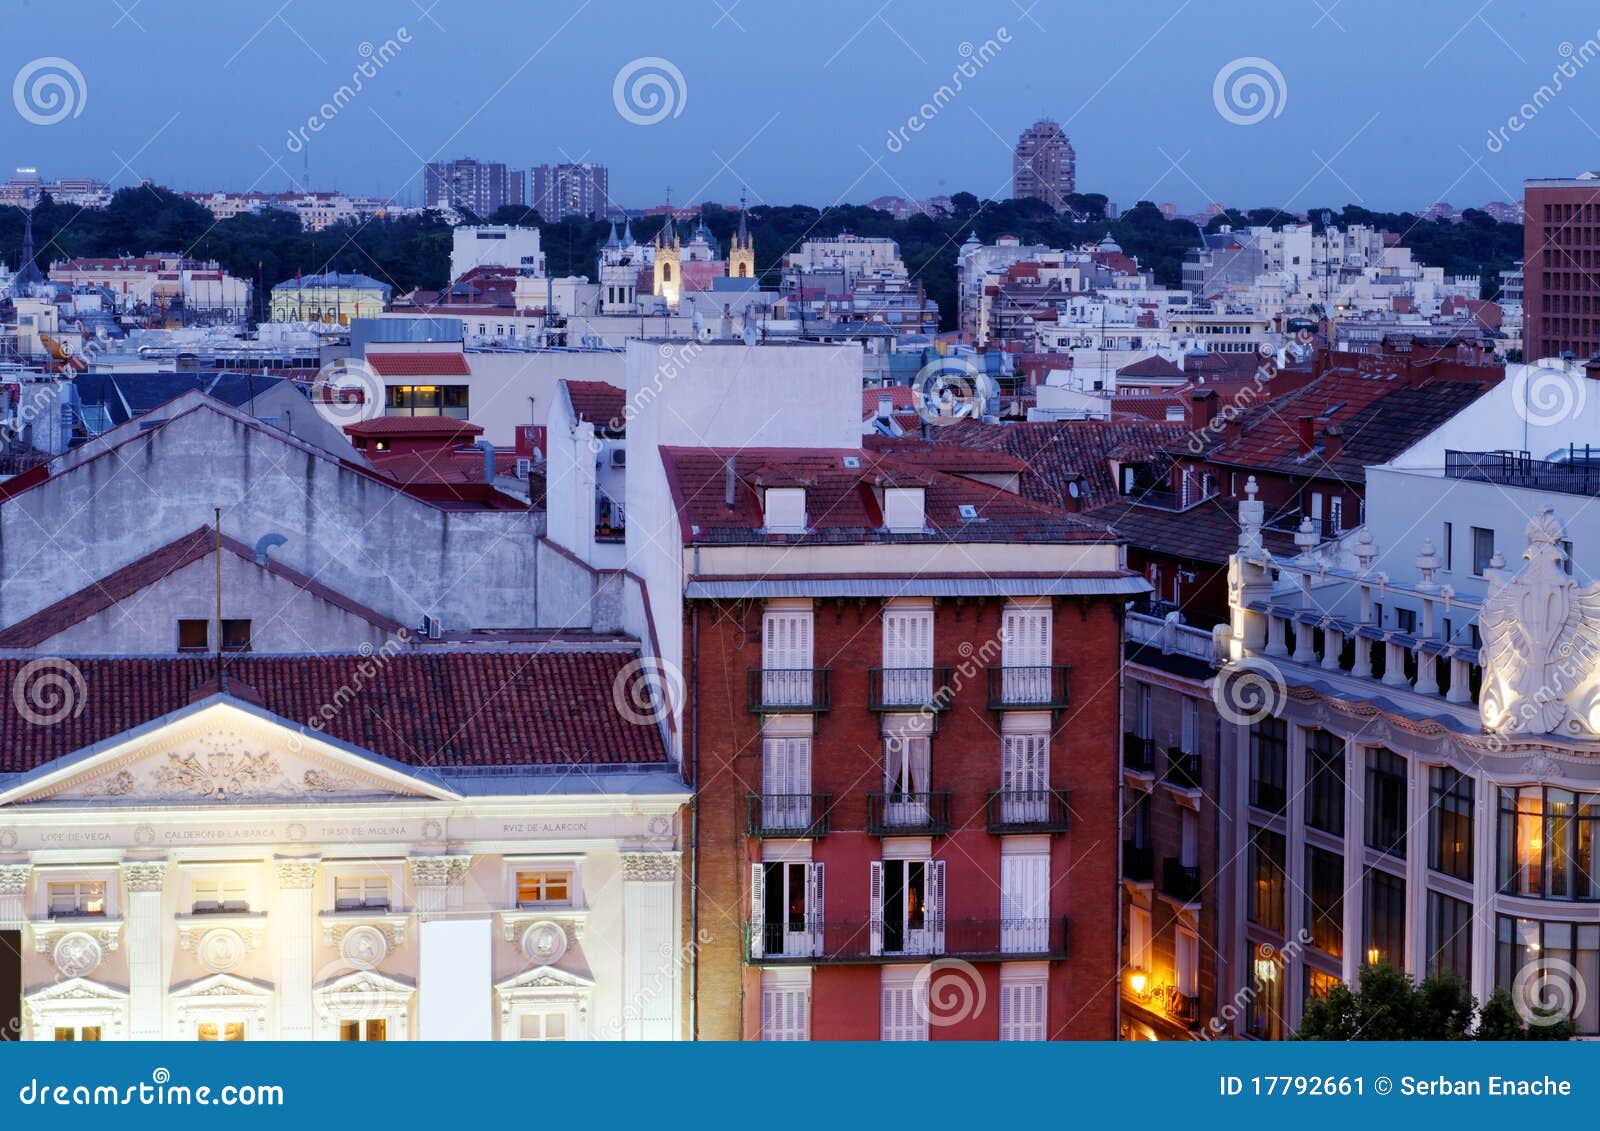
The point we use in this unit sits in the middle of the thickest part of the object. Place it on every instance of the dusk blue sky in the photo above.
(1398, 98)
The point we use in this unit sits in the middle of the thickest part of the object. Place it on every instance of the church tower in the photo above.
(668, 267)
(742, 253)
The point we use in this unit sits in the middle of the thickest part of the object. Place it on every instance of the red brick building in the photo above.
(1560, 250)
(902, 722)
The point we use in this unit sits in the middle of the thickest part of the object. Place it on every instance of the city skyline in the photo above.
(1264, 117)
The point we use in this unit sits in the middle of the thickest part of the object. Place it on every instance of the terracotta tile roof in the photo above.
(152, 568)
(946, 457)
(599, 402)
(1153, 366)
(1207, 533)
(841, 501)
(430, 426)
(469, 708)
(421, 364)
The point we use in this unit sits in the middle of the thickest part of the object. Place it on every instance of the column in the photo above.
(432, 878)
(651, 958)
(1294, 875)
(1355, 852)
(455, 964)
(293, 915)
(14, 895)
(142, 884)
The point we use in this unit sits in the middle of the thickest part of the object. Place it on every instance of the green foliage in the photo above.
(1390, 1007)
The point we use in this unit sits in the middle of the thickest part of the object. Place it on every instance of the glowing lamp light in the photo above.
(1138, 980)
(1373, 955)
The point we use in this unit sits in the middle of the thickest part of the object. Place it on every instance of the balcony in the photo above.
(1138, 864)
(1039, 688)
(860, 941)
(909, 689)
(1180, 882)
(908, 814)
(1183, 770)
(788, 691)
(786, 815)
(1138, 754)
(1027, 811)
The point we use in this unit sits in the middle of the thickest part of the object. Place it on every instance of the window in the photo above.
(1325, 900)
(1139, 938)
(786, 657)
(1319, 983)
(77, 1032)
(1022, 1009)
(1406, 621)
(1024, 903)
(1450, 822)
(1449, 539)
(907, 656)
(427, 400)
(74, 900)
(907, 773)
(360, 893)
(903, 508)
(907, 906)
(1025, 776)
(1025, 654)
(1186, 961)
(371, 1029)
(1264, 1016)
(1482, 549)
(1449, 936)
(903, 1007)
(236, 636)
(1189, 725)
(1325, 782)
(219, 1031)
(194, 635)
(1269, 756)
(1385, 919)
(786, 901)
(1547, 843)
(785, 510)
(1266, 879)
(1386, 801)
(786, 783)
(1566, 957)
(785, 1005)
(218, 896)
(544, 887)
(543, 1025)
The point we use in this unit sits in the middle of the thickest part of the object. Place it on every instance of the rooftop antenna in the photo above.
(216, 529)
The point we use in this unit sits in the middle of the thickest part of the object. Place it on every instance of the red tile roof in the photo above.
(431, 426)
(472, 708)
(420, 364)
(123, 583)
(599, 402)
(841, 501)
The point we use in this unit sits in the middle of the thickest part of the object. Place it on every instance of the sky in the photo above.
(1297, 103)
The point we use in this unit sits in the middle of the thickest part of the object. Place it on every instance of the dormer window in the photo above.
(785, 510)
(903, 509)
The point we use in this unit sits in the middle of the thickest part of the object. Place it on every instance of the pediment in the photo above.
(365, 983)
(77, 990)
(221, 752)
(545, 978)
(215, 986)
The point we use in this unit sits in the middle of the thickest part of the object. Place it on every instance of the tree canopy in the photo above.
(1389, 1006)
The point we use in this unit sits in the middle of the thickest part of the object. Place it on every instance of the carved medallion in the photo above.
(544, 942)
(220, 950)
(364, 947)
(77, 954)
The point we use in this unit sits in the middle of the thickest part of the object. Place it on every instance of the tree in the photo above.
(1390, 1007)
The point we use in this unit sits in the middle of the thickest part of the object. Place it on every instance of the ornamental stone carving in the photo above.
(219, 776)
(650, 866)
(364, 947)
(221, 950)
(438, 871)
(297, 874)
(544, 942)
(14, 878)
(144, 875)
(77, 954)
(1541, 643)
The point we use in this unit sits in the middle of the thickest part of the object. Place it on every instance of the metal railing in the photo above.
(1138, 754)
(1183, 770)
(776, 691)
(909, 689)
(1180, 881)
(787, 814)
(813, 942)
(1027, 811)
(1037, 688)
(1138, 864)
(908, 814)
(1578, 474)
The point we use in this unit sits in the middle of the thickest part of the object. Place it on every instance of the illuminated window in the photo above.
(1449, 936)
(544, 887)
(219, 1031)
(371, 1029)
(1325, 900)
(1450, 820)
(355, 893)
(70, 900)
(77, 1032)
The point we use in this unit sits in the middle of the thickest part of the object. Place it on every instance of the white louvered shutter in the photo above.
(1025, 904)
(786, 783)
(785, 1013)
(1025, 777)
(786, 658)
(814, 906)
(875, 892)
(1022, 1011)
(907, 657)
(758, 910)
(1025, 637)
(935, 916)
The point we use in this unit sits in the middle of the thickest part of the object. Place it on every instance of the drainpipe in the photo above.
(694, 822)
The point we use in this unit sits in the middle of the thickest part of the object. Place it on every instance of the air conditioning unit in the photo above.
(619, 457)
(524, 466)
(431, 628)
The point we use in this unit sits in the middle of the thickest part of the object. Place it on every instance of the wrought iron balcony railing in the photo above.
(1183, 770)
(1138, 864)
(1027, 811)
(908, 814)
(778, 691)
(812, 942)
(787, 814)
(1035, 688)
(909, 689)
(1180, 881)
(1138, 754)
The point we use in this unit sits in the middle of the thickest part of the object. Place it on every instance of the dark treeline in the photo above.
(411, 251)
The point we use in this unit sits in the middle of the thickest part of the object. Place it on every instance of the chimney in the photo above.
(730, 481)
(1306, 426)
(1332, 442)
(885, 407)
(1202, 408)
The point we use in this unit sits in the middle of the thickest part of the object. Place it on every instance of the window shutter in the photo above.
(758, 910)
(1191, 726)
(1187, 954)
(814, 906)
(1022, 1011)
(1025, 637)
(875, 888)
(936, 905)
(788, 643)
(908, 656)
